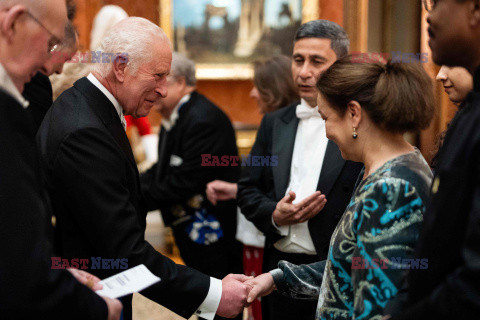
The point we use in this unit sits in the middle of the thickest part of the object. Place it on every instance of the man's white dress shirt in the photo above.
(7, 85)
(307, 160)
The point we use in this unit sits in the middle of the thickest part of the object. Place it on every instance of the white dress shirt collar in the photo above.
(110, 97)
(169, 123)
(9, 87)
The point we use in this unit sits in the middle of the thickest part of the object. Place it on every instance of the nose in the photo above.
(442, 74)
(254, 93)
(305, 71)
(161, 89)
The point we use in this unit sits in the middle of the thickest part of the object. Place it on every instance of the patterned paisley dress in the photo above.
(371, 250)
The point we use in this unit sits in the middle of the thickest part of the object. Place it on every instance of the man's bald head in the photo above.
(28, 28)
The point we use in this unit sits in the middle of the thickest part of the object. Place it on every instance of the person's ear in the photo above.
(119, 68)
(9, 26)
(181, 81)
(354, 113)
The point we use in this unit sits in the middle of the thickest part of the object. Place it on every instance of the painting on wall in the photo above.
(225, 36)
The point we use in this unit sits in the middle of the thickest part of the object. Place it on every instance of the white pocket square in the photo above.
(175, 161)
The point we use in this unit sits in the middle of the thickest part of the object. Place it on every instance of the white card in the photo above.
(127, 282)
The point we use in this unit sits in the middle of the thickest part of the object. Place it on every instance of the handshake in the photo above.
(239, 291)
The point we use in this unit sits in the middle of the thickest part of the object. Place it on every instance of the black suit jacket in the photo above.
(201, 128)
(29, 288)
(39, 93)
(450, 236)
(261, 188)
(94, 185)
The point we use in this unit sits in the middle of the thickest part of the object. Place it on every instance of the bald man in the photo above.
(29, 288)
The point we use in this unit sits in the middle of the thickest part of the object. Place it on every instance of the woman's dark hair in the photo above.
(397, 96)
(274, 81)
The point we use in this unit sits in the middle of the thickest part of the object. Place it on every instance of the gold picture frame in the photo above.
(227, 71)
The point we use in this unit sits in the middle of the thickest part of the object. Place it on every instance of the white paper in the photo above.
(127, 282)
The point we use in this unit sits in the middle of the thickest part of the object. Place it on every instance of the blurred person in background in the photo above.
(457, 82)
(39, 90)
(273, 89)
(193, 126)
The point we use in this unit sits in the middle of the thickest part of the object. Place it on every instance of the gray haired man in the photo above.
(288, 202)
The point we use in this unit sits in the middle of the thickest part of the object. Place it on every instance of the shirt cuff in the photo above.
(209, 306)
(283, 230)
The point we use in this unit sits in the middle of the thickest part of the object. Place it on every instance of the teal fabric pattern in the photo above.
(372, 248)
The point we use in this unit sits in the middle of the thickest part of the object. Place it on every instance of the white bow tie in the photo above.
(305, 112)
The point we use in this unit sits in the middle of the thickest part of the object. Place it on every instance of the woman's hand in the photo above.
(261, 286)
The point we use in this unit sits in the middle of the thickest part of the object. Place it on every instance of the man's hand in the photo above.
(261, 286)
(114, 308)
(286, 213)
(86, 279)
(386, 317)
(218, 190)
(234, 295)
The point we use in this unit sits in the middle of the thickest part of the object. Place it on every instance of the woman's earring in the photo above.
(354, 134)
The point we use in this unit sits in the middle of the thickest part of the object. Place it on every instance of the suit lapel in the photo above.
(105, 110)
(331, 168)
(283, 141)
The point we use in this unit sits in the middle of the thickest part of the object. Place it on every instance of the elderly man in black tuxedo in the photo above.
(93, 180)
(29, 288)
(298, 203)
(193, 126)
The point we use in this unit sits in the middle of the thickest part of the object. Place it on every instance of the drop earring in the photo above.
(354, 134)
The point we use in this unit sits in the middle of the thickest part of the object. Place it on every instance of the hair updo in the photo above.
(397, 96)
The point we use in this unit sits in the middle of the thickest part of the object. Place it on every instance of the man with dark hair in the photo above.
(284, 201)
(450, 287)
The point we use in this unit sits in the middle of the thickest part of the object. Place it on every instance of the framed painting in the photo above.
(224, 37)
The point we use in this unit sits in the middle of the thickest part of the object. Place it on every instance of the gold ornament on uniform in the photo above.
(436, 184)
(178, 211)
(195, 202)
(354, 134)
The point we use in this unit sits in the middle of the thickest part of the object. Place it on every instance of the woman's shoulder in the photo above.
(408, 169)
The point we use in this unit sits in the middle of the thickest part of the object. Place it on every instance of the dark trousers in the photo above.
(216, 260)
(278, 307)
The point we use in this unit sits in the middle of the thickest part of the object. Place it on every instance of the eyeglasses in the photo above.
(54, 40)
(428, 4)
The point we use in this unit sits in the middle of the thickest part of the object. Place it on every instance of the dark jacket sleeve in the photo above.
(29, 288)
(253, 198)
(460, 290)
(99, 198)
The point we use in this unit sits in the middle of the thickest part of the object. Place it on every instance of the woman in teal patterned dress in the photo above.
(367, 108)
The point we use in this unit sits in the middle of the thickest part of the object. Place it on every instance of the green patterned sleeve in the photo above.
(299, 281)
(387, 225)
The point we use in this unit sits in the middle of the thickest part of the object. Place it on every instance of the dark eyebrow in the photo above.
(317, 57)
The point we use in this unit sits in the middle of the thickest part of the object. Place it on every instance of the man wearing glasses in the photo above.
(29, 288)
(450, 238)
